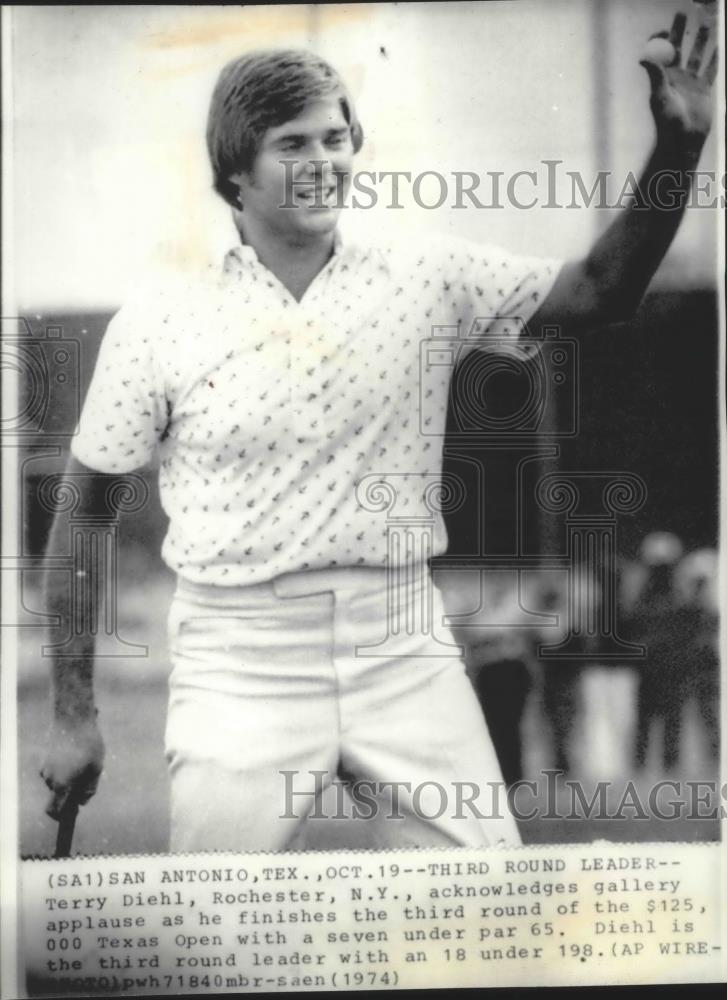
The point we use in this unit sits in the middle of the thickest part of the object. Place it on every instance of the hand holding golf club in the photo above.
(73, 763)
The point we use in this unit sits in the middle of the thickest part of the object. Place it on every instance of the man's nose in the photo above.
(317, 163)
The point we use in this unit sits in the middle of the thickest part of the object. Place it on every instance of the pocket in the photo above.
(188, 619)
(197, 629)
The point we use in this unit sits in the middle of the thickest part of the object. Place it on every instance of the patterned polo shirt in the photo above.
(267, 413)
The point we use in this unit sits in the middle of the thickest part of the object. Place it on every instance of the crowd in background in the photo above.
(667, 603)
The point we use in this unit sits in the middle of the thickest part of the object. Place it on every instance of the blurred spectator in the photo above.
(653, 621)
(561, 688)
(497, 661)
(696, 591)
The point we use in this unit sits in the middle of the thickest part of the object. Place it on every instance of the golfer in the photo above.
(270, 387)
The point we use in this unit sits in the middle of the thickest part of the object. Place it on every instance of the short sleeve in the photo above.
(503, 290)
(124, 414)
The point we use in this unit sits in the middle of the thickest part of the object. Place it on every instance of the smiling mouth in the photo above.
(316, 196)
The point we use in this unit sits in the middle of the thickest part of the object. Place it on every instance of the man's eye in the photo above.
(337, 140)
(291, 144)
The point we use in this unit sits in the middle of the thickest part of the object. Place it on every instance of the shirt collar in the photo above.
(243, 256)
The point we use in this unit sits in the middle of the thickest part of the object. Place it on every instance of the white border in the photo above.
(9, 857)
(9, 862)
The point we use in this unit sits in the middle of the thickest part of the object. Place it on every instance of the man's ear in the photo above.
(241, 181)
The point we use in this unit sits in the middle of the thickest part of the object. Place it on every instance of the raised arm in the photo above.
(608, 284)
(75, 749)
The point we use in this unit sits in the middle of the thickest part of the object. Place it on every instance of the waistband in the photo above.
(307, 582)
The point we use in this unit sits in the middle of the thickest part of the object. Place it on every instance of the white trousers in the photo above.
(276, 685)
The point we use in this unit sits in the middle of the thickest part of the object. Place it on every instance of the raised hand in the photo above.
(681, 87)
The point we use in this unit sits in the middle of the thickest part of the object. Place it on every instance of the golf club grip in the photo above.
(66, 826)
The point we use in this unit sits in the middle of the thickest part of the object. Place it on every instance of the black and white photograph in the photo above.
(362, 426)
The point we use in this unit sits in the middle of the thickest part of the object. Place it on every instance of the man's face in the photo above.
(312, 187)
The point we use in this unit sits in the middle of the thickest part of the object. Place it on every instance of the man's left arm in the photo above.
(608, 284)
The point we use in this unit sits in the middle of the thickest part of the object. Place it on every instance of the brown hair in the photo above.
(259, 91)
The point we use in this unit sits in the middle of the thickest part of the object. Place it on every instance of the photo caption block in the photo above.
(219, 923)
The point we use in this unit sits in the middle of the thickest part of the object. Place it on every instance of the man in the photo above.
(656, 621)
(272, 390)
